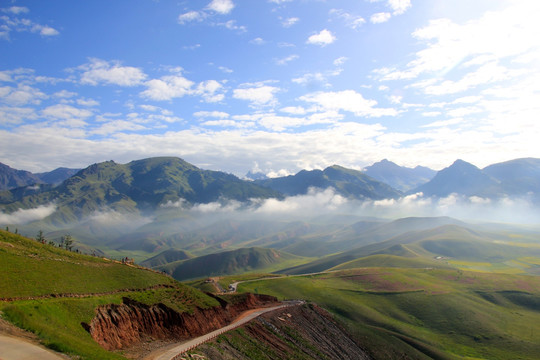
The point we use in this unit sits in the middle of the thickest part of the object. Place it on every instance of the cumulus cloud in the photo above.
(21, 95)
(191, 16)
(348, 100)
(399, 6)
(23, 216)
(380, 17)
(221, 6)
(110, 72)
(323, 38)
(210, 90)
(257, 94)
(167, 87)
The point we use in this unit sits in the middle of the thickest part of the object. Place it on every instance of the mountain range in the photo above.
(150, 184)
(11, 178)
(519, 177)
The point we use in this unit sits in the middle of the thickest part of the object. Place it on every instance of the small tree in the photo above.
(67, 241)
(40, 237)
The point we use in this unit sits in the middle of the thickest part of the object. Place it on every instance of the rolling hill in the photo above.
(454, 245)
(230, 262)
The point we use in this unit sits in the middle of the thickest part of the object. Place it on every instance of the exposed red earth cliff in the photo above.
(118, 326)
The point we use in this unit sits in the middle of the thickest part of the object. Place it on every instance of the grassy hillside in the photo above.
(232, 262)
(51, 291)
(141, 184)
(452, 244)
(426, 313)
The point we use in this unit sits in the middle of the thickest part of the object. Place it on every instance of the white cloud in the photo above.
(21, 95)
(210, 91)
(65, 112)
(399, 6)
(23, 216)
(16, 115)
(225, 69)
(323, 38)
(64, 94)
(12, 22)
(167, 88)
(289, 21)
(380, 17)
(45, 30)
(100, 71)
(87, 102)
(191, 16)
(16, 10)
(231, 25)
(340, 61)
(221, 6)
(286, 60)
(211, 114)
(117, 126)
(258, 41)
(258, 95)
(294, 110)
(352, 21)
(228, 123)
(348, 100)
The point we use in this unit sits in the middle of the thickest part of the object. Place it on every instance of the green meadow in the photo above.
(49, 282)
(425, 313)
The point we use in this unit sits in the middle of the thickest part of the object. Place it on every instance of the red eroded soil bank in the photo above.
(119, 326)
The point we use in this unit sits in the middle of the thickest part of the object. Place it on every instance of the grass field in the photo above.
(439, 313)
(49, 282)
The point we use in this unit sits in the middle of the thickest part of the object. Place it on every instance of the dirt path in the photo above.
(174, 351)
(72, 295)
(12, 348)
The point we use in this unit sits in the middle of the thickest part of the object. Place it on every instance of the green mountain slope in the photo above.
(425, 313)
(165, 257)
(455, 242)
(139, 185)
(346, 182)
(52, 292)
(231, 262)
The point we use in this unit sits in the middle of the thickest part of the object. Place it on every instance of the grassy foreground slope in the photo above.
(50, 292)
(32, 269)
(426, 313)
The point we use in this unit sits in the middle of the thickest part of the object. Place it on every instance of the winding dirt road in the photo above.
(173, 352)
(12, 348)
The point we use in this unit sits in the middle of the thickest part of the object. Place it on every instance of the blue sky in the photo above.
(269, 85)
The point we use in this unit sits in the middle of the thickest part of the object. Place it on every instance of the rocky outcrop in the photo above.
(298, 332)
(117, 326)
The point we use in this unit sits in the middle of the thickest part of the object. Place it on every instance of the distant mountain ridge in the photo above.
(12, 178)
(346, 182)
(399, 177)
(519, 177)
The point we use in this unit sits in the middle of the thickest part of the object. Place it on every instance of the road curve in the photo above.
(12, 348)
(175, 352)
